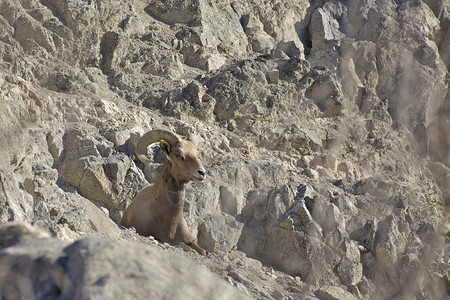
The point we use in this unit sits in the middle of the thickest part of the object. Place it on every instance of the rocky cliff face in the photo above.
(324, 126)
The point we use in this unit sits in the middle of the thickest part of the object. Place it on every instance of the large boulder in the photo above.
(96, 267)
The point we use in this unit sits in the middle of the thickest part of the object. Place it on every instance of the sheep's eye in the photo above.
(179, 156)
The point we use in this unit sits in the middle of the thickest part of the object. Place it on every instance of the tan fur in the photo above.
(157, 210)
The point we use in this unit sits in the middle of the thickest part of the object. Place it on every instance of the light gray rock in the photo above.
(325, 91)
(260, 40)
(214, 26)
(98, 219)
(441, 174)
(290, 48)
(219, 232)
(231, 200)
(273, 76)
(99, 267)
(17, 204)
(414, 61)
(55, 145)
(350, 267)
(104, 181)
(333, 217)
(334, 293)
(325, 32)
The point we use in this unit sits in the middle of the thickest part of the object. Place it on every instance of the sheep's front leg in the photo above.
(197, 248)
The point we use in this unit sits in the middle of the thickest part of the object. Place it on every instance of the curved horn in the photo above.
(151, 137)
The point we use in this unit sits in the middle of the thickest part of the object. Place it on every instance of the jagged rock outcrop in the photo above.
(323, 125)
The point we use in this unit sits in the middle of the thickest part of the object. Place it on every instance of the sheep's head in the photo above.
(182, 154)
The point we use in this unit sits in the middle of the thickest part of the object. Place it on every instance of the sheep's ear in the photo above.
(165, 147)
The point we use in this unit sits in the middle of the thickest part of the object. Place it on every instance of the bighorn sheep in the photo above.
(157, 209)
